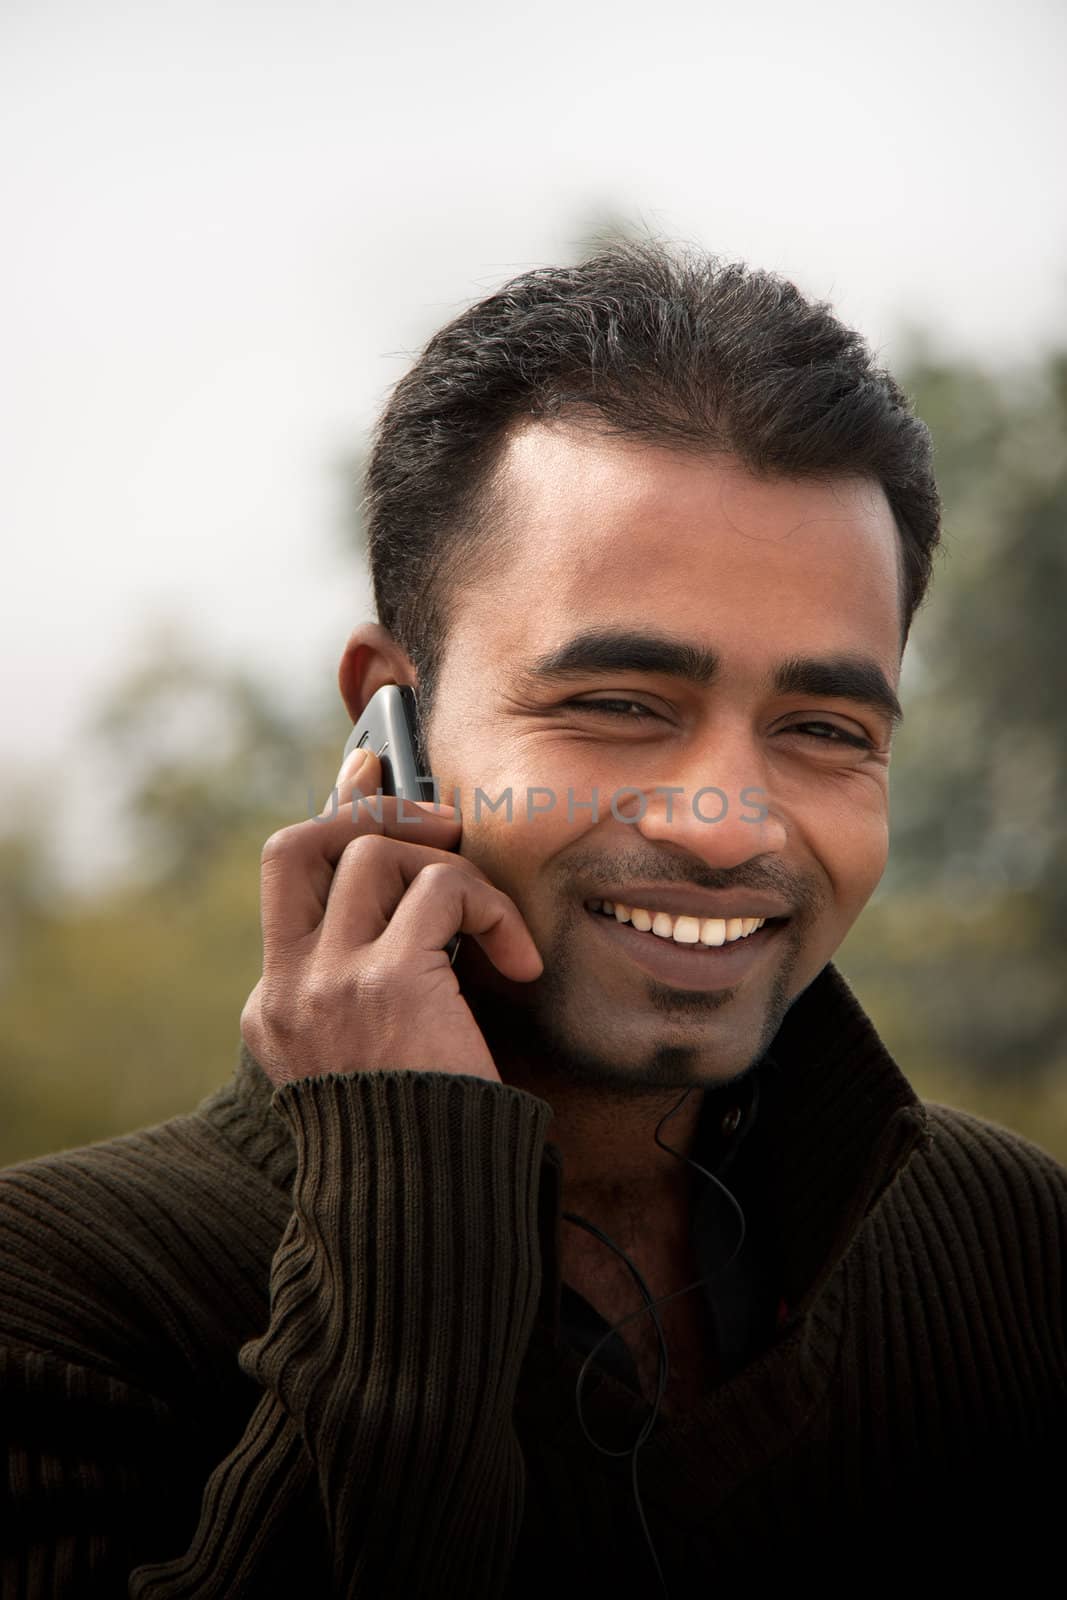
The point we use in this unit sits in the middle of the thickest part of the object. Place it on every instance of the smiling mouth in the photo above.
(698, 934)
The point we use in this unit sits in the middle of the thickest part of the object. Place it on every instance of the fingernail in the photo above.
(349, 767)
(352, 763)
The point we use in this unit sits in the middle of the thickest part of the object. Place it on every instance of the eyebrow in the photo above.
(843, 676)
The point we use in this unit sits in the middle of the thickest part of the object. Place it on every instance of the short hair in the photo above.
(645, 340)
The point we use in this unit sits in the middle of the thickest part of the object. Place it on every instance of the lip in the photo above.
(695, 902)
(686, 966)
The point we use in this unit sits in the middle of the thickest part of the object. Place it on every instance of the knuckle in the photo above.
(366, 847)
(276, 1013)
(463, 864)
(436, 873)
(251, 1022)
(279, 842)
(430, 881)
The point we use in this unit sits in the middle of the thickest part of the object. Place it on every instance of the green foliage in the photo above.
(121, 1008)
(961, 956)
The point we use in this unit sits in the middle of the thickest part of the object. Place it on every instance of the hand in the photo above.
(356, 914)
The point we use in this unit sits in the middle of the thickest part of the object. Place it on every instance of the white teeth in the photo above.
(682, 929)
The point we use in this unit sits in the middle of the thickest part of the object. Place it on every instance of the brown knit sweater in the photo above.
(307, 1342)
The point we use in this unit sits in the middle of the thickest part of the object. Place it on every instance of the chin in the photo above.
(649, 1054)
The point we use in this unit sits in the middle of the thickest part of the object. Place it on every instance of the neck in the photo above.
(605, 1133)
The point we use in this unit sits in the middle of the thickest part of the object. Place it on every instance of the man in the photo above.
(647, 537)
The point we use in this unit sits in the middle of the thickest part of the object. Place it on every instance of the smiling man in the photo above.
(718, 654)
(647, 537)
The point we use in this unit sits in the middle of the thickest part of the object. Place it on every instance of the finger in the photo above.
(442, 901)
(371, 879)
(298, 862)
(357, 793)
(361, 775)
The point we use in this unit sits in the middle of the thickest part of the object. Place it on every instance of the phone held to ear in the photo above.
(390, 727)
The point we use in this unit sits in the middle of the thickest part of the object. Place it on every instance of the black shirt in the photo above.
(742, 1295)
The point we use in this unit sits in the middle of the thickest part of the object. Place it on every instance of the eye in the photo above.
(838, 735)
(629, 710)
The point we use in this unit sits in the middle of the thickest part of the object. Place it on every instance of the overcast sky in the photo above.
(229, 227)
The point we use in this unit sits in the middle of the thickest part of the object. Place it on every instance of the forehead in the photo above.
(619, 530)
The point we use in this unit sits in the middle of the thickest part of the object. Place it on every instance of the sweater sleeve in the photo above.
(380, 1458)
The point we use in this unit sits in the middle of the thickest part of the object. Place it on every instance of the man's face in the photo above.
(619, 537)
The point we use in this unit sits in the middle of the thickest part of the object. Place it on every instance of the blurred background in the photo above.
(229, 229)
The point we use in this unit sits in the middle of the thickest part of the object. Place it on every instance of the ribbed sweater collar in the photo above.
(840, 1124)
(838, 1128)
(836, 1121)
(843, 1123)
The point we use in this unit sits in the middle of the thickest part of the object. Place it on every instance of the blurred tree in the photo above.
(204, 752)
(965, 944)
(122, 1007)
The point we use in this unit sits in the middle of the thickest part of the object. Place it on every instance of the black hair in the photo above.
(646, 340)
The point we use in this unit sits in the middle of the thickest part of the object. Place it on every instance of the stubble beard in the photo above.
(533, 1031)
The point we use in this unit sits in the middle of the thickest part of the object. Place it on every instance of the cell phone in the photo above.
(390, 727)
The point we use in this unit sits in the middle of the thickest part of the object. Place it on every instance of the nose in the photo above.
(716, 805)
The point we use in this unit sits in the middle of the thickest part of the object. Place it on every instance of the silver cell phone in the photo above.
(390, 727)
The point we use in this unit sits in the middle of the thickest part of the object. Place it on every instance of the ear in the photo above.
(371, 659)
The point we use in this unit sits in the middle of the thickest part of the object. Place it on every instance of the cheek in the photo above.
(522, 811)
(513, 854)
(519, 855)
(849, 835)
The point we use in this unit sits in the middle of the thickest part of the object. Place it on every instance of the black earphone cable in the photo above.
(651, 1306)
